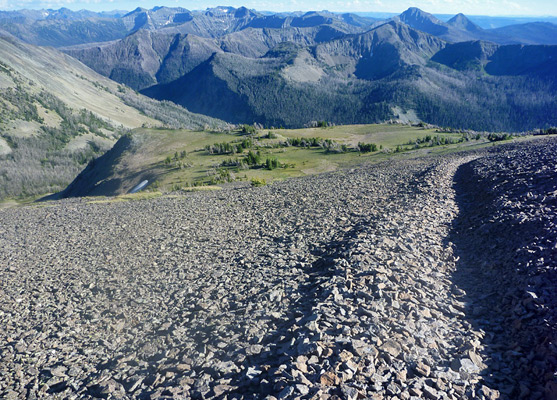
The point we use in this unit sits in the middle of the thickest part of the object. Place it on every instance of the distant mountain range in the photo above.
(289, 69)
(65, 27)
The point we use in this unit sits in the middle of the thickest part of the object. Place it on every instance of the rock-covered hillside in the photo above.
(362, 283)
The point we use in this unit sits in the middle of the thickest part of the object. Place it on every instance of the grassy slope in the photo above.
(70, 81)
(145, 157)
(56, 115)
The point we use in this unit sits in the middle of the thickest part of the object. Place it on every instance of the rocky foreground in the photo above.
(430, 278)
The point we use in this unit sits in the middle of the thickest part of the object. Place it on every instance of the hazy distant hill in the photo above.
(62, 27)
(493, 22)
(530, 33)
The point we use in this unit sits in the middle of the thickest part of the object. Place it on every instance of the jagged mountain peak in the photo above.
(423, 21)
(460, 21)
(416, 14)
(136, 11)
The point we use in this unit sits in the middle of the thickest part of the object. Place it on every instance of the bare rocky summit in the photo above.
(429, 278)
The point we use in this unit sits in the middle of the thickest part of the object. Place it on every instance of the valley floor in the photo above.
(428, 278)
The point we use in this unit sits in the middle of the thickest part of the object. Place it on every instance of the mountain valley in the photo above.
(289, 71)
(252, 205)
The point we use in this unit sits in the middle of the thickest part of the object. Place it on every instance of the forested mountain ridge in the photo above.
(291, 69)
(370, 77)
(145, 58)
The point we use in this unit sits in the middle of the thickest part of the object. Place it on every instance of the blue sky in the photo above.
(470, 7)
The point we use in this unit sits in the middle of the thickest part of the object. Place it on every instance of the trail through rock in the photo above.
(348, 284)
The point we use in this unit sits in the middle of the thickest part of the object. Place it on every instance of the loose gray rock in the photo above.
(430, 277)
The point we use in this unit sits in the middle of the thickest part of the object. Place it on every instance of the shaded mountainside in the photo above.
(466, 55)
(512, 60)
(102, 175)
(363, 78)
(270, 91)
(141, 57)
(146, 58)
(56, 115)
